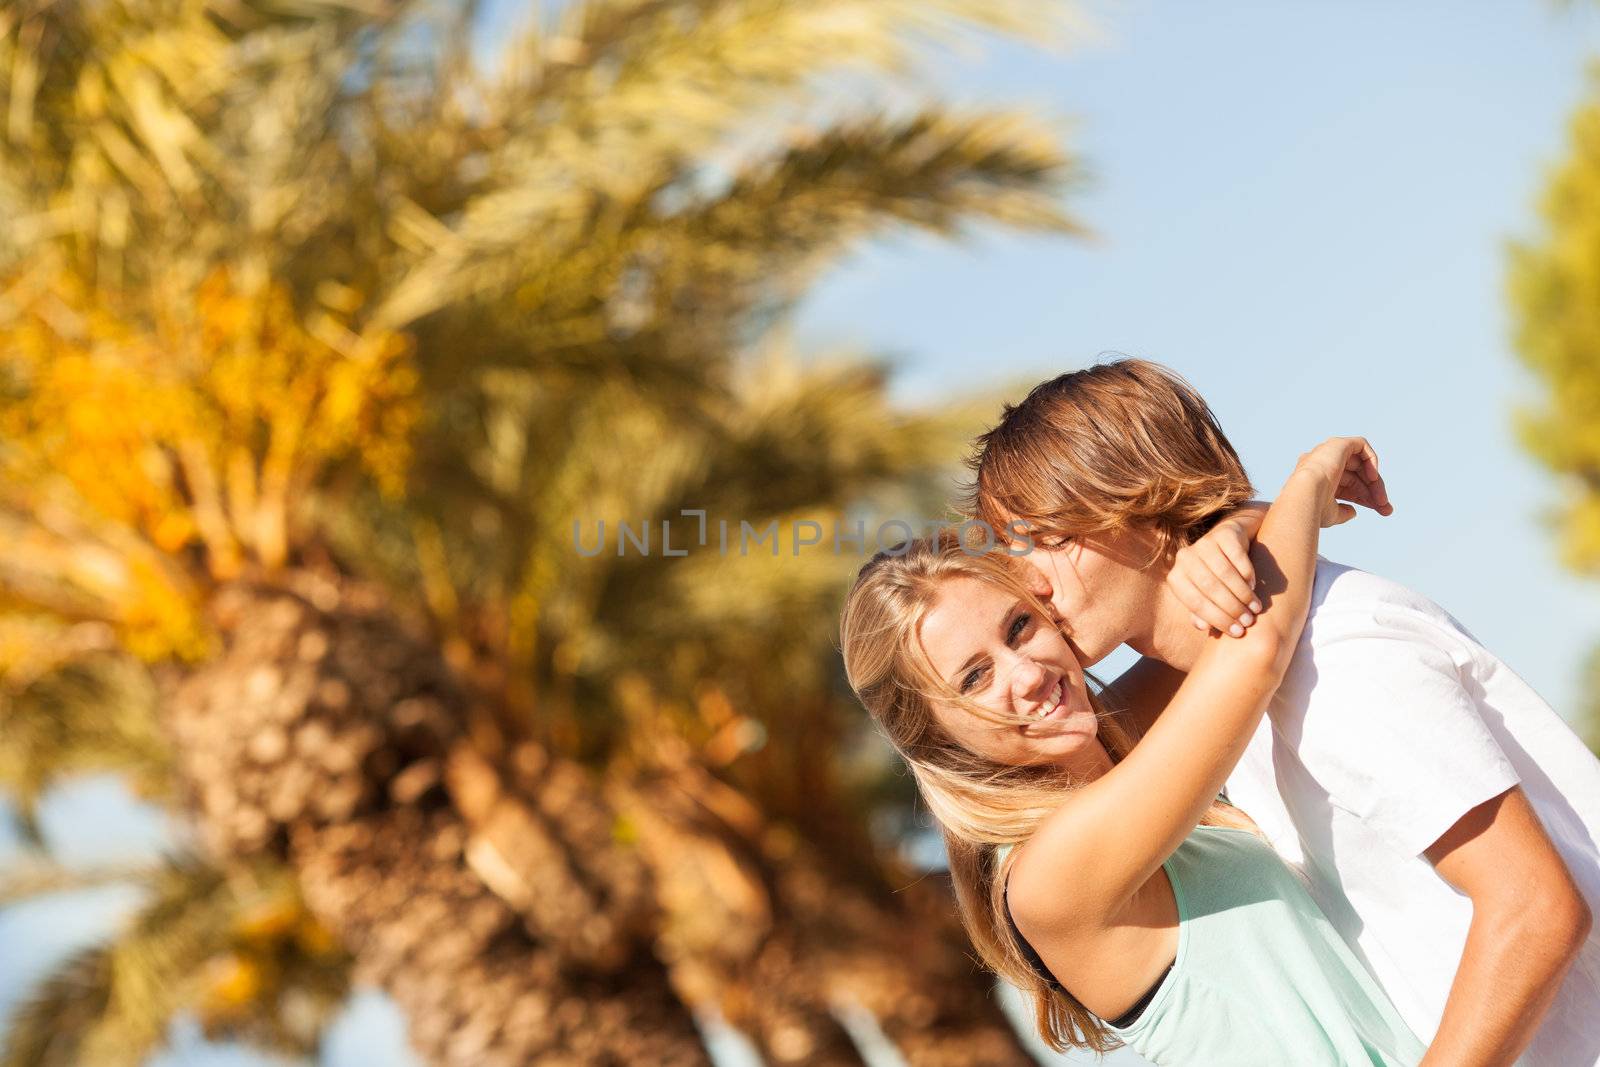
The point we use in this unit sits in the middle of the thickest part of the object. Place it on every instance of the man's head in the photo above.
(1112, 468)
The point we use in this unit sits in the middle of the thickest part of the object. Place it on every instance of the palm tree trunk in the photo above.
(476, 988)
(508, 929)
(730, 941)
(911, 966)
(508, 908)
(758, 921)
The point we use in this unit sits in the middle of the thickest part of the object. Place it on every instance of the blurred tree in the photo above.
(319, 347)
(241, 950)
(1555, 296)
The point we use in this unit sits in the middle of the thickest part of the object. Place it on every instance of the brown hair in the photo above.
(980, 805)
(1105, 448)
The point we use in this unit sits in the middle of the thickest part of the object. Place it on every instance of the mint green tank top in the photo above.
(1261, 977)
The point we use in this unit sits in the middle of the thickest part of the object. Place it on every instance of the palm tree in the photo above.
(238, 947)
(317, 342)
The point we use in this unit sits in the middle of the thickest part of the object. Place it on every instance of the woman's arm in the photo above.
(1111, 835)
(1214, 578)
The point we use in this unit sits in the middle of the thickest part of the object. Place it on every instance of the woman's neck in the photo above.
(1091, 763)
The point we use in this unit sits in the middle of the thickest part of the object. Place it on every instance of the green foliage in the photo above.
(1555, 296)
(1589, 725)
(95, 712)
(238, 950)
(48, 1028)
(237, 209)
(1555, 290)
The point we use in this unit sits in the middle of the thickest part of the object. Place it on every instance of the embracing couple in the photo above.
(1317, 822)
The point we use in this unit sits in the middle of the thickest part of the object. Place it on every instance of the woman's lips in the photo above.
(1063, 708)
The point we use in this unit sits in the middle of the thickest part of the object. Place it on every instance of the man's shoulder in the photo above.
(1341, 585)
(1346, 598)
(1367, 645)
(1366, 633)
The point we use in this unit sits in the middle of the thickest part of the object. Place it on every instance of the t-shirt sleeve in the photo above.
(1390, 728)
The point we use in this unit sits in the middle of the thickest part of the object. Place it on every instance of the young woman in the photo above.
(1102, 876)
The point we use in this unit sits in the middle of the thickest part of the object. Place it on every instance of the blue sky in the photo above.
(1301, 207)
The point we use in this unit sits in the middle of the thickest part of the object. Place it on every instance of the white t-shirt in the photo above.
(1392, 723)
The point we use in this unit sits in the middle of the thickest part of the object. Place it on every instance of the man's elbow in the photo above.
(1554, 921)
(1575, 919)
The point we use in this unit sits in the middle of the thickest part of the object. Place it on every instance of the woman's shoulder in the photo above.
(1062, 900)
(1039, 900)
(1105, 959)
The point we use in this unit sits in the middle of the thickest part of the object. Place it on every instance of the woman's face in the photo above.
(992, 647)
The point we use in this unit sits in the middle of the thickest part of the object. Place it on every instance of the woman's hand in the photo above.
(1214, 577)
(1349, 468)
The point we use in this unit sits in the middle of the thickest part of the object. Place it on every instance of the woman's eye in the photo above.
(971, 679)
(1019, 624)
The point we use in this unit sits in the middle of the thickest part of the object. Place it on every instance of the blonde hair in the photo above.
(1098, 450)
(980, 805)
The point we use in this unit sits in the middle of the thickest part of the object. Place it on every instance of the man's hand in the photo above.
(1214, 578)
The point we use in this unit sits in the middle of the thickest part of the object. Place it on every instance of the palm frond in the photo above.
(36, 877)
(226, 211)
(616, 114)
(94, 711)
(46, 1029)
(233, 947)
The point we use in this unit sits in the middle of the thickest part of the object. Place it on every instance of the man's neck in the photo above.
(1172, 637)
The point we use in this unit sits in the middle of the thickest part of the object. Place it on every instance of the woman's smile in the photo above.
(1057, 706)
(1058, 695)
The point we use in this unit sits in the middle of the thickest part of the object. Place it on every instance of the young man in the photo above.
(1445, 817)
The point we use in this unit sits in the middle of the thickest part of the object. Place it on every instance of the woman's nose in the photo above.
(1025, 678)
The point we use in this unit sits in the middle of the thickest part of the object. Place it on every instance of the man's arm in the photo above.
(1391, 730)
(1528, 923)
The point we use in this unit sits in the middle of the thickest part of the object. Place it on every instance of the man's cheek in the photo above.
(1068, 601)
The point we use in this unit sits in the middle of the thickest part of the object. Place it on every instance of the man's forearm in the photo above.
(1528, 924)
(1511, 969)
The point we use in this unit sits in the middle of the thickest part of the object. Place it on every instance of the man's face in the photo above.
(1099, 587)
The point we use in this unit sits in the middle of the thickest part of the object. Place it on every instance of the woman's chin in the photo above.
(1064, 746)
